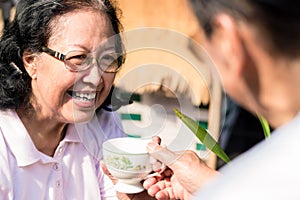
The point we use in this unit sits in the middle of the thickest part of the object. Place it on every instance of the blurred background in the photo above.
(7, 12)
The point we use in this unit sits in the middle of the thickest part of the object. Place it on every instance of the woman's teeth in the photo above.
(84, 96)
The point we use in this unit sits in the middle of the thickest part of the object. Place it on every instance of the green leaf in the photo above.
(203, 135)
(265, 126)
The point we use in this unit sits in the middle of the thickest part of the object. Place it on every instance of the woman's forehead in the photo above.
(81, 27)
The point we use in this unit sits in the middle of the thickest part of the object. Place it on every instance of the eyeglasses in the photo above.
(80, 60)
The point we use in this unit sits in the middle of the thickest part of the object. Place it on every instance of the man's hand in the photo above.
(185, 174)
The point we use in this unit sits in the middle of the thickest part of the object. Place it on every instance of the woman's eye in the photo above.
(77, 59)
(108, 60)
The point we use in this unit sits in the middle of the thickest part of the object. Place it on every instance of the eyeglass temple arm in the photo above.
(53, 53)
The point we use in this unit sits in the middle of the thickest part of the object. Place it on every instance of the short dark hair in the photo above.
(29, 31)
(276, 20)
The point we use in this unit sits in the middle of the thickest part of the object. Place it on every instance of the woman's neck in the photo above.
(44, 132)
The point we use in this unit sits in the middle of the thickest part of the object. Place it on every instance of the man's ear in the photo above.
(227, 41)
(29, 61)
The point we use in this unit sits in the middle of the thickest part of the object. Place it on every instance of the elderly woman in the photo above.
(58, 63)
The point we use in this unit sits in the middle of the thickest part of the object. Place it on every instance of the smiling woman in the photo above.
(58, 61)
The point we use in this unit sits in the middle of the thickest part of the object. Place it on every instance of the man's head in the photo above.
(246, 40)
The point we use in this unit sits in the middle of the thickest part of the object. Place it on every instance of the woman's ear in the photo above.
(226, 40)
(29, 61)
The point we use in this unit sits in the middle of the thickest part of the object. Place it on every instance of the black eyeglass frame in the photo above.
(62, 57)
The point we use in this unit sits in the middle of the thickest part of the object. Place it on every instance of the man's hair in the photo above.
(278, 21)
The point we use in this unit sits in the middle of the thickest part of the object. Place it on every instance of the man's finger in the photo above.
(156, 139)
(162, 154)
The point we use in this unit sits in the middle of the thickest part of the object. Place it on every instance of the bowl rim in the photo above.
(128, 172)
(127, 154)
(124, 153)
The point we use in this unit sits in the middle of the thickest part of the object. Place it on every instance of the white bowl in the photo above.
(128, 161)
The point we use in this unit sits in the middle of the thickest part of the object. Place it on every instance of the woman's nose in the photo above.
(93, 75)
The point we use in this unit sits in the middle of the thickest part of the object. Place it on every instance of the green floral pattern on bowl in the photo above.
(123, 163)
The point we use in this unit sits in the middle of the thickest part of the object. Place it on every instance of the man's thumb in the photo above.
(162, 154)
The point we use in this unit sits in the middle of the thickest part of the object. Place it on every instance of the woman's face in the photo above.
(67, 96)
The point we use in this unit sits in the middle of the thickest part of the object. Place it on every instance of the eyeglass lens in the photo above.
(79, 60)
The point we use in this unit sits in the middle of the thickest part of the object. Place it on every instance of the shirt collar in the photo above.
(18, 138)
(19, 141)
(71, 134)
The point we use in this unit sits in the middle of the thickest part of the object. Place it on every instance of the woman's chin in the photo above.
(83, 116)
